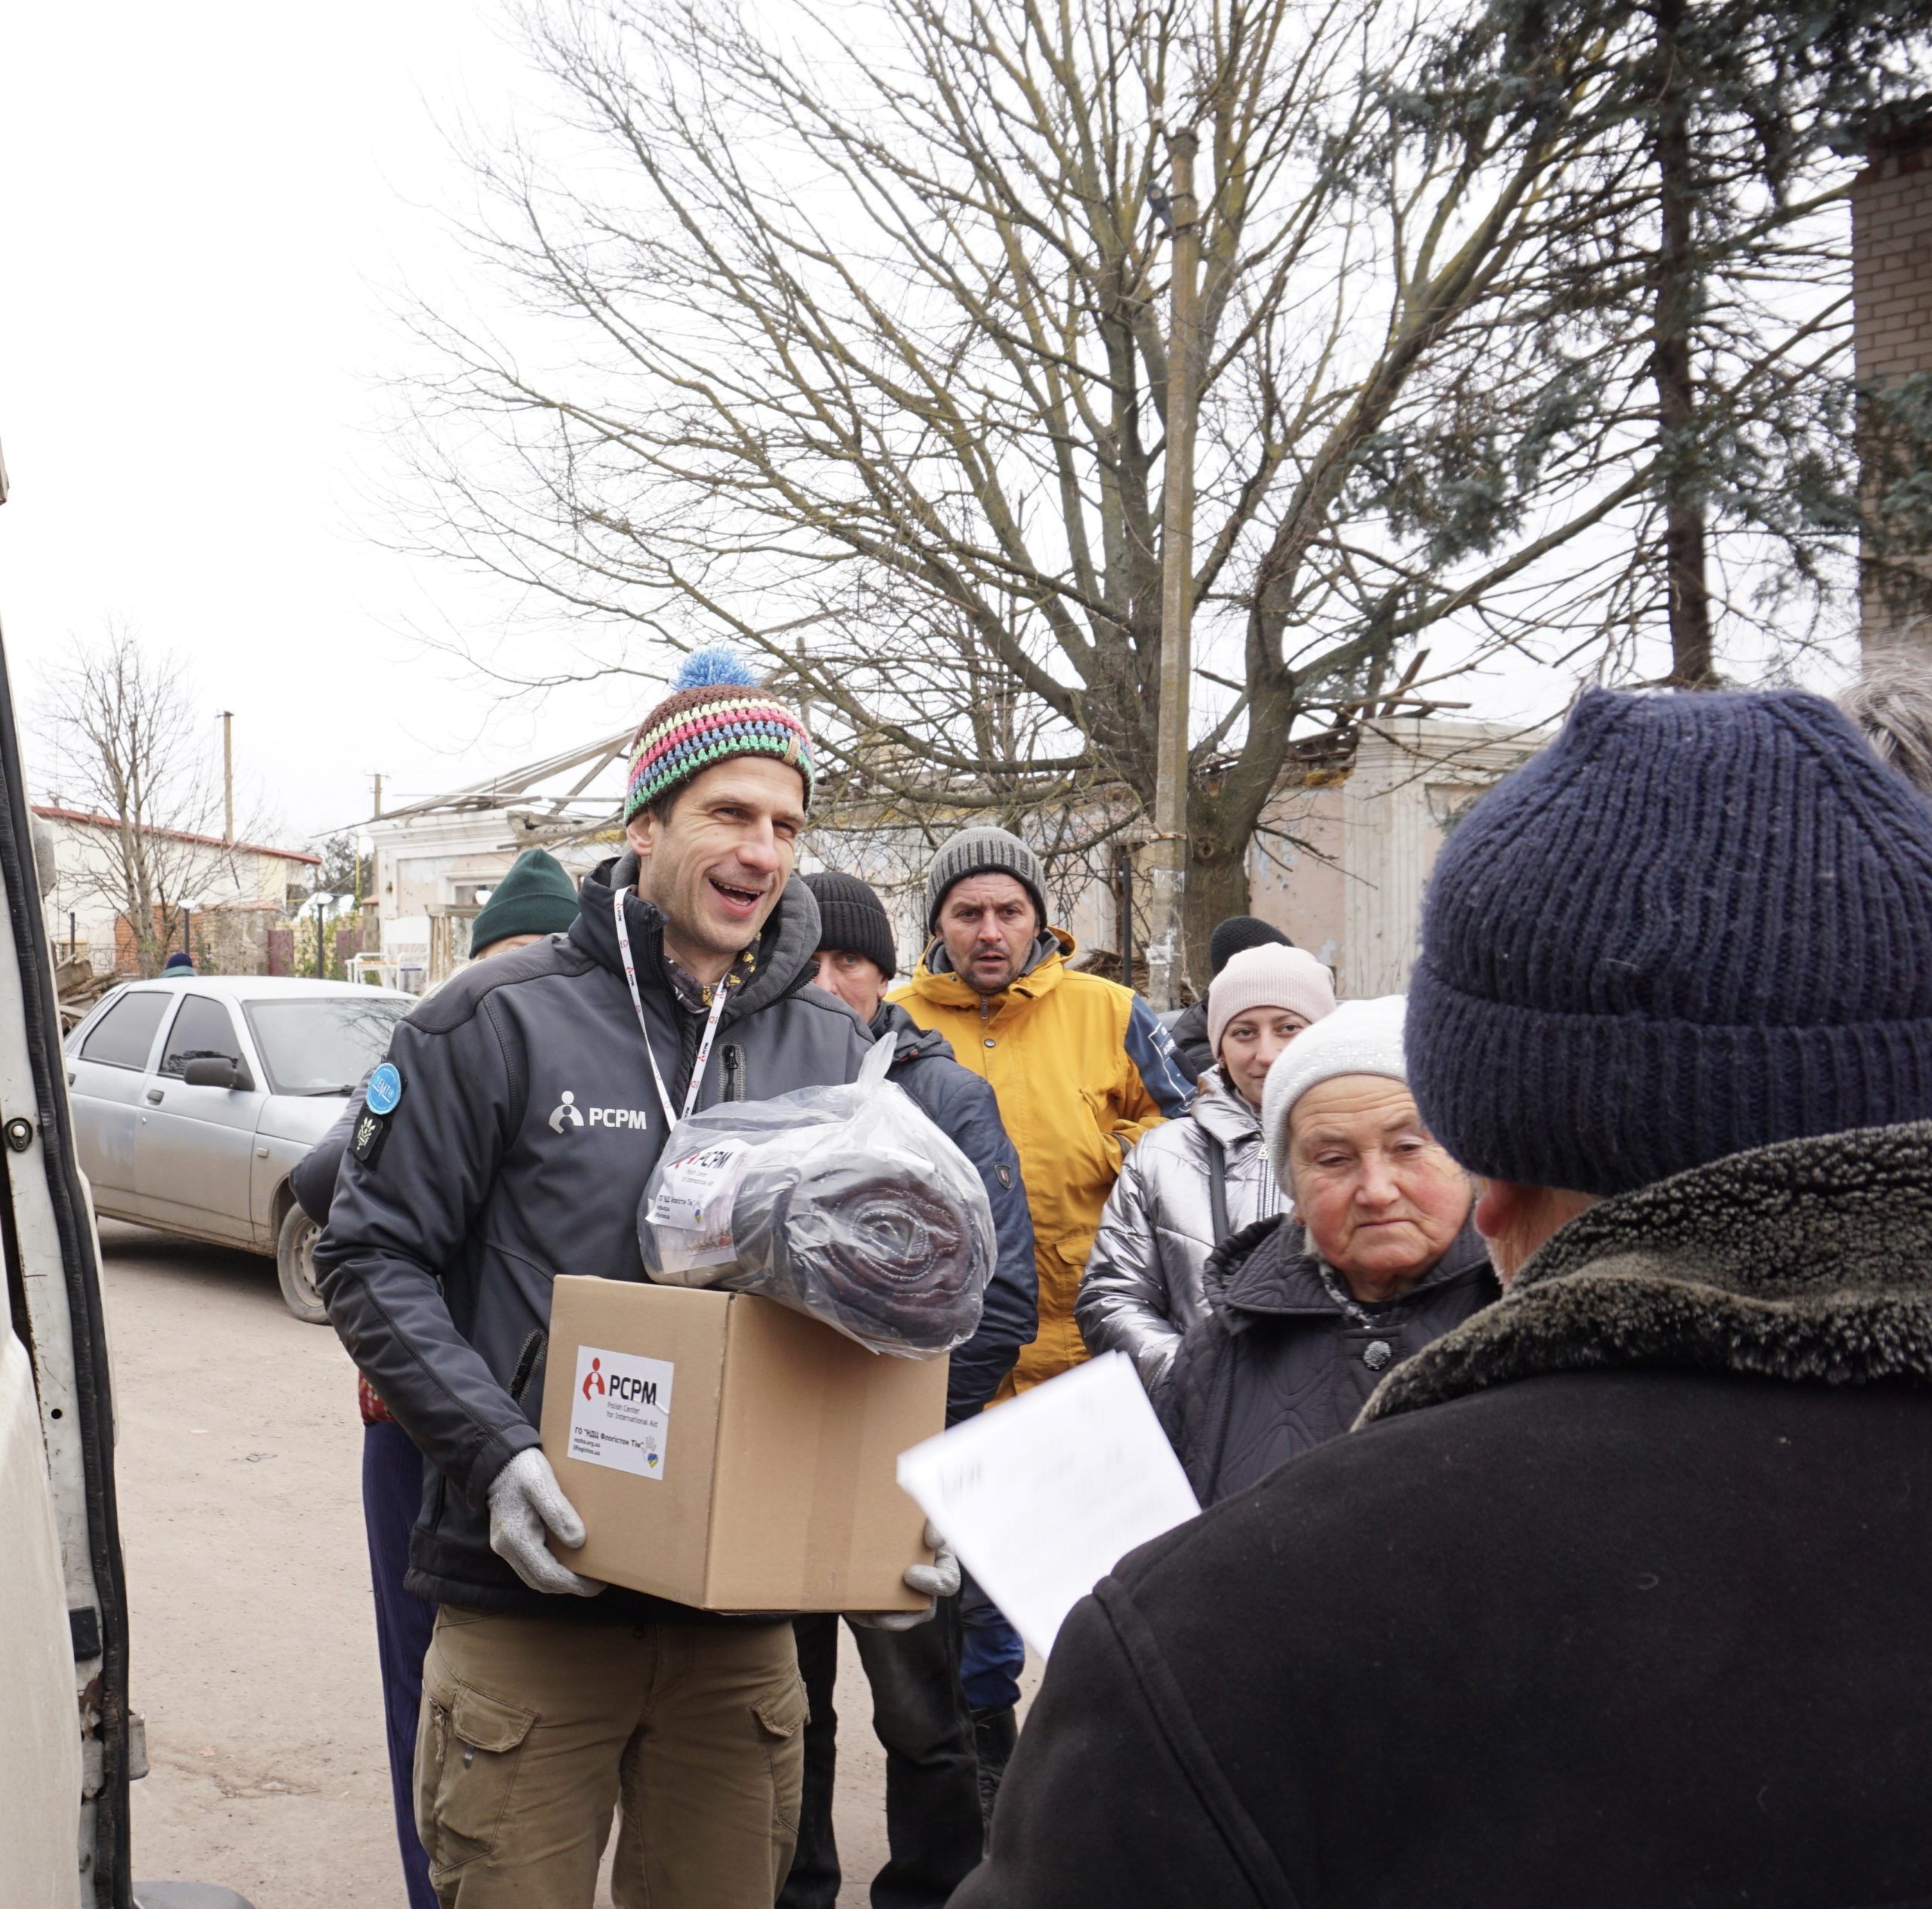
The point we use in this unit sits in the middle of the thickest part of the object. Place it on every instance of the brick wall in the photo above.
(1891, 213)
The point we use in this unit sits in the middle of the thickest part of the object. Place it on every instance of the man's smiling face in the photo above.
(717, 865)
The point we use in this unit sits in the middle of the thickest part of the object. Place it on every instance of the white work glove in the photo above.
(939, 1579)
(525, 1499)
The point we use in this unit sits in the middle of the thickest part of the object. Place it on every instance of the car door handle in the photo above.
(154, 1095)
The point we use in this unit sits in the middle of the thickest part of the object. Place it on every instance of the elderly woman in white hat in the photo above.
(1189, 1184)
(1304, 1316)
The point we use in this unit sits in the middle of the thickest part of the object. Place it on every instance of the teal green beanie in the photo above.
(535, 897)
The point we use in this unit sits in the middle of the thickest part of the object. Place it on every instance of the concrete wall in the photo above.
(1340, 868)
(1891, 214)
(1297, 879)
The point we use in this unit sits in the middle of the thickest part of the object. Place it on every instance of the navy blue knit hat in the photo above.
(1693, 924)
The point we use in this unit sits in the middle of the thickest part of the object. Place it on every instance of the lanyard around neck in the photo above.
(719, 994)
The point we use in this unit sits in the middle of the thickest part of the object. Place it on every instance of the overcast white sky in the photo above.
(206, 211)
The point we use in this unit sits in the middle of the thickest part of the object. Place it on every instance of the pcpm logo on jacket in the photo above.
(567, 1114)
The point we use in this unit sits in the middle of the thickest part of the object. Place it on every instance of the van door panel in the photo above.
(40, 1747)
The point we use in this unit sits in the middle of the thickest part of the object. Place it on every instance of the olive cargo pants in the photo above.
(534, 1728)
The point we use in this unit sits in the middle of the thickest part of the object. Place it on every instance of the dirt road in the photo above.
(254, 1653)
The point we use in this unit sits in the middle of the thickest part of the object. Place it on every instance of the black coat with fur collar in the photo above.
(1621, 1595)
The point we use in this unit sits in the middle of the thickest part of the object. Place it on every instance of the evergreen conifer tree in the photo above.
(1705, 299)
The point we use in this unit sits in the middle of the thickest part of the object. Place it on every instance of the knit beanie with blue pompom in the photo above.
(716, 710)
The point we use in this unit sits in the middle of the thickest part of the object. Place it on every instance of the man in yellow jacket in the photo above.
(1082, 1068)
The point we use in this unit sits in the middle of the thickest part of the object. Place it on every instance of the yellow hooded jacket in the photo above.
(1082, 1068)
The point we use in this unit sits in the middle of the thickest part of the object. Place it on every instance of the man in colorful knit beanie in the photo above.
(523, 1108)
(1619, 1588)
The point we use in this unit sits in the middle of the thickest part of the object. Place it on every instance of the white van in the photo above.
(69, 1743)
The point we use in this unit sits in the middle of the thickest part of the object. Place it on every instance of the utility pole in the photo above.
(1167, 956)
(227, 775)
(378, 812)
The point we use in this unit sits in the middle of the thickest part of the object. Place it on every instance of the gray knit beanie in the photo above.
(982, 851)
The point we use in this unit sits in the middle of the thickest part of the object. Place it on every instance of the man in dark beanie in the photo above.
(933, 1828)
(535, 897)
(1232, 937)
(1062, 1049)
(1619, 1589)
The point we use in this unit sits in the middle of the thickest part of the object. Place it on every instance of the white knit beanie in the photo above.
(1268, 977)
(1360, 1037)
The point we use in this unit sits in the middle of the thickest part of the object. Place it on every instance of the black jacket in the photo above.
(1189, 1035)
(1276, 1365)
(528, 1126)
(962, 1106)
(1617, 1601)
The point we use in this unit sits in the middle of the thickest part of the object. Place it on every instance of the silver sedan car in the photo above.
(193, 1099)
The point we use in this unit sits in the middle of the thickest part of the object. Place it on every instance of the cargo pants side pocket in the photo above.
(781, 1717)
(469, 1749)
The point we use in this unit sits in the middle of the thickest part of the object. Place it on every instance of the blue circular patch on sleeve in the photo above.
(384, 1091)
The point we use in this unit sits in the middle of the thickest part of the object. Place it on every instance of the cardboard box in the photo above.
(730, 1454)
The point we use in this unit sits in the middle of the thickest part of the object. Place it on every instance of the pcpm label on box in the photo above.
(620, 1414)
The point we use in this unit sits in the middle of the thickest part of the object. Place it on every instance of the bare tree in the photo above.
(121, 727)
(846, 341)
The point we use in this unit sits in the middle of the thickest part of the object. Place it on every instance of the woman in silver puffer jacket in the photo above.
(1189, 1184)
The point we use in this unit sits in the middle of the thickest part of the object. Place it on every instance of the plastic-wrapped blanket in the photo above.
(844, 1202)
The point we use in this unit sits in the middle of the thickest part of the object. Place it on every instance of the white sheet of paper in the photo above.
(1043, 1496)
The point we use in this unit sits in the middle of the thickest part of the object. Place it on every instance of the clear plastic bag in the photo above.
(844, 1202)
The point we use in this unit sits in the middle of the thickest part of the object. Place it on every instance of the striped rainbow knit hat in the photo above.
(716, 710)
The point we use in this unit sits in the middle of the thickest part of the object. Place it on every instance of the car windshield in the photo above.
(322, 1047)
